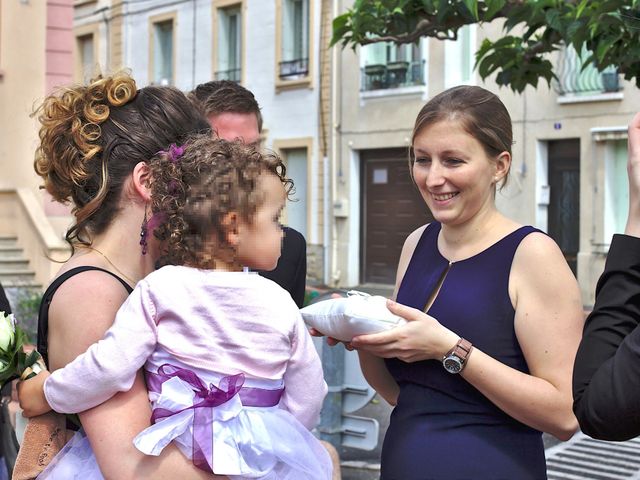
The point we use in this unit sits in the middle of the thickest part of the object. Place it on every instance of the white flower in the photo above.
(7, 330)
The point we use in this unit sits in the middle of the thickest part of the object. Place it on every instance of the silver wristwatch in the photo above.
(456, 358)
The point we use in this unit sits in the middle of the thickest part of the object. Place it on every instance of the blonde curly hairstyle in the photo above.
(194, 187)
(92, 136)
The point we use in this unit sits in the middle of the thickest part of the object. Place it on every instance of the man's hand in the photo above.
(633, 170)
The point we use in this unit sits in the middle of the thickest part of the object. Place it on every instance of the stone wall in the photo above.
(315, 265)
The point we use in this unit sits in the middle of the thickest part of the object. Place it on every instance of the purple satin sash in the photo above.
(206, 399)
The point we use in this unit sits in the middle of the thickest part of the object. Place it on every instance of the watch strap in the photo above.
(462, 349)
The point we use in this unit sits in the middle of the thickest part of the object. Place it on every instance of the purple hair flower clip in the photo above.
(175, 152)
(173, 186)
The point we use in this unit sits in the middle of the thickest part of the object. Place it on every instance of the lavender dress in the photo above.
(442, 427)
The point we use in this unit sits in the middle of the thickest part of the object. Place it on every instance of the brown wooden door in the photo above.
(392, 208)
(564, 198)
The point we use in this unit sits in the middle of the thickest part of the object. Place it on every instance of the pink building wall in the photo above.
(58, 65)
(59, 44)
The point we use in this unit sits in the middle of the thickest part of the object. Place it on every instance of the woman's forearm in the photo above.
(633, 170)
(633, 220)
(533, 401)
(112, 441)
(377, 375)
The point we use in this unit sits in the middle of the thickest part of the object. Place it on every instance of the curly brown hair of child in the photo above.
(196, 185)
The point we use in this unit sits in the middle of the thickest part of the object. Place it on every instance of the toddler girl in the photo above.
(233, 377)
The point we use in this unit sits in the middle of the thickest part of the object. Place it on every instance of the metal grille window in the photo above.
(574, 79)
(295, 39)
(387, 65)
(229, 44)
(163, 53)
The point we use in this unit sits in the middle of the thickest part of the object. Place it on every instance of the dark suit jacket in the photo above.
(4, 303)
(606, 376)
(291, 271)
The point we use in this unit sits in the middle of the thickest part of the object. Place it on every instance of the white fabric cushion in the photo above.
(345, 318)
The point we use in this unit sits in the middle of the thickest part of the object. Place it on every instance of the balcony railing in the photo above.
(294, 68)
(392, 75)
(573, 80)
(233, 74)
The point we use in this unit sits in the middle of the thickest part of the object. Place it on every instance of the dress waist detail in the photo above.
(182, 390)
(250, 396)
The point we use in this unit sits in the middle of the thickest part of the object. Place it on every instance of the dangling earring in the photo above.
(143, 233)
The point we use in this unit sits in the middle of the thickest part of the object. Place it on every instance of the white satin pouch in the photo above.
(357, 314)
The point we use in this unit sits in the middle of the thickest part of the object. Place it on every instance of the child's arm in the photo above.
(304, 385)
(110, 365)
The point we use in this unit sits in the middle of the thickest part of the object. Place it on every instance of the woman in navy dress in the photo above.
(487, 368)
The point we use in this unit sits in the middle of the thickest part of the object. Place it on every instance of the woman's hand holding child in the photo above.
(31, 395)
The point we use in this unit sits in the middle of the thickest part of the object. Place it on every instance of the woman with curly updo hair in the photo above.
(234, 379)
(95, 144)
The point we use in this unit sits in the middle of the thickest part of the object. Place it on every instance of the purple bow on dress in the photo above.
(207, 398)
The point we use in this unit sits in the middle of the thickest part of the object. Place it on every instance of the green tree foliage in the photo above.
(609, 29)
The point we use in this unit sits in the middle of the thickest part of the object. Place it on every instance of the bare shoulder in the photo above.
(537, 247)
(82, 309)
(90, 288)
(541, 272)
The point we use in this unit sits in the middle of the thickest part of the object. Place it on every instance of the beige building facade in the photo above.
(568, 175)
(35, 56)
(278, 50)
(341, 118)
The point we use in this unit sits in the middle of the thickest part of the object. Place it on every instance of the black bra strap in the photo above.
(43, 315)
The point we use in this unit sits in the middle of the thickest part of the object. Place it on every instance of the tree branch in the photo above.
(428, 26)
(542, 47)
(424, 28)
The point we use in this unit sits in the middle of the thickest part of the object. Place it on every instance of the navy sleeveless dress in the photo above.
(442, 427)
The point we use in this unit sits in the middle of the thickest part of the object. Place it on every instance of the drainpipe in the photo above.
(335, 152)
(326, 150)
(330, 427)
(125, 41)
(326, 234)
(193, 46)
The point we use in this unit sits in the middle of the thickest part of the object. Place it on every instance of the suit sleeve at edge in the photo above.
(606, 377)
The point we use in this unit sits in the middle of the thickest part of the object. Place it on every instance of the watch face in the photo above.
(452, 364)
